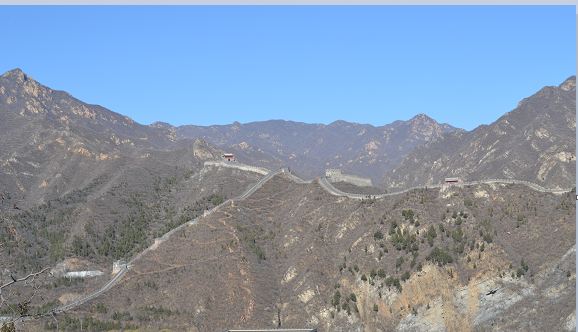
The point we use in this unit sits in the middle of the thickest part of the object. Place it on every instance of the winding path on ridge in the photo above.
(327, 186)
(323, 182)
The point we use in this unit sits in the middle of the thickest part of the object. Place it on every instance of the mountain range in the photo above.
(400, 154)
(82, 187)
(309, 149)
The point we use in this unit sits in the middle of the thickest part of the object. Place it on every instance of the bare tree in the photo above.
(17, 294)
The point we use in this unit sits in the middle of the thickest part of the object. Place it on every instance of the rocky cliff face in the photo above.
(534, 142)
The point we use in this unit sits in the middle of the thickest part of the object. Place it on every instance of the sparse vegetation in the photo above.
(408, 215)
(101, 308)
(151, 284)
(440, 256)
(403, 240)
(154, 313)
(392, 281)
(431, 235)
(458, 234)
(8, 327)
(336, 299)
(69, 323)
(122, 315)
(522, 269)
(250, 236)
(65, 282)
(352, 297)
(399, 262)
(405, 276)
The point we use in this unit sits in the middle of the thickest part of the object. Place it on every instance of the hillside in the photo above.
(534, 142)
(53, 143)
(292, 255)
(78, 180)
(82, 187)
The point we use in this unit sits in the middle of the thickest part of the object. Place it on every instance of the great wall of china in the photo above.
(122, 268)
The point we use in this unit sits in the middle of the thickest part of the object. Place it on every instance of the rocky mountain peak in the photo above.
(569, 84)
(162, 125)
(422, 118)
(424, 125)
(16, 74)
(339, 123)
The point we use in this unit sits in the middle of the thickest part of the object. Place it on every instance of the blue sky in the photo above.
(369, 64)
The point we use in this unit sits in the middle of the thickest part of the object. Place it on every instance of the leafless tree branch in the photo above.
(31, 275)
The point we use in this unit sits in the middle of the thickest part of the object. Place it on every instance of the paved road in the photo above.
(325, 184)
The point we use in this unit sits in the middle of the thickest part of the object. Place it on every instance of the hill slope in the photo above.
(53, 143)
(534, 142)
(71, 172)
(83, 184)
(458, 259)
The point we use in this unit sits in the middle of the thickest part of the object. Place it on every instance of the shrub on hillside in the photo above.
(440, 256)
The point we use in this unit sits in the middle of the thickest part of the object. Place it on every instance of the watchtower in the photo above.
(228, 156)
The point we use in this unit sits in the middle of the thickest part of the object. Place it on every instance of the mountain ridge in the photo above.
(80, 186)
(366, 150)
(307, 148)
(534, 142)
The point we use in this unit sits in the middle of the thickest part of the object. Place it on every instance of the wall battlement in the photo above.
(335, 175)
(237, 165)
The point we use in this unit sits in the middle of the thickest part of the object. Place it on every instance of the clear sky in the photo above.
(369, 64)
